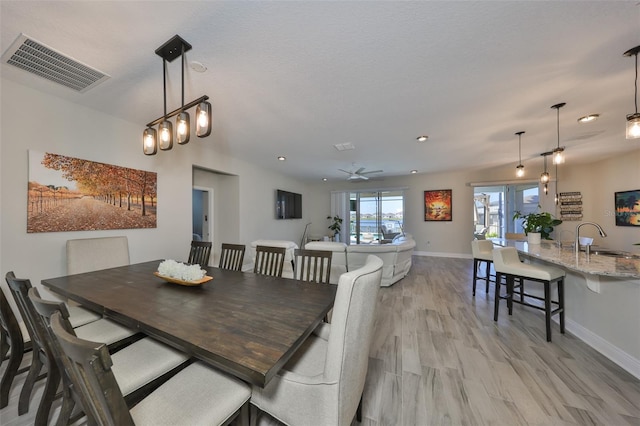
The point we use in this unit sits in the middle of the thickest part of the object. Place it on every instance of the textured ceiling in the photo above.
(295, 78)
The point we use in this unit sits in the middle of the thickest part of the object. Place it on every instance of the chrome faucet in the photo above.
(600, 230)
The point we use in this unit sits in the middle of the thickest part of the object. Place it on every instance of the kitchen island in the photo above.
(602, 298)
(594, 264)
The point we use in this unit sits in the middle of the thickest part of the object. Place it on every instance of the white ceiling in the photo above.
(295, 78)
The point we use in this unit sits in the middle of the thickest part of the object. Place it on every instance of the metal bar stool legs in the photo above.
(477, 263)
(482, 252)
(507, 263)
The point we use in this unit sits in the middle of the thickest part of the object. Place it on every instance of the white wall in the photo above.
(34, 120)
(596, 181)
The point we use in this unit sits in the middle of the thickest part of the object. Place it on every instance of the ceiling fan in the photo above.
(359, 174)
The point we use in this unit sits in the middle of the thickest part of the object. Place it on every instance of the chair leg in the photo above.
(27, 387)
(547, 309)
(475, 274)
(488, 272)
(4, 345)
(15, 359)
(561, 303)
(510, 280)
(49, 394)
(68, 404)
(496, 303)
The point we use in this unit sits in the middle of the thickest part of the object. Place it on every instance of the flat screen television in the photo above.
(288, 205)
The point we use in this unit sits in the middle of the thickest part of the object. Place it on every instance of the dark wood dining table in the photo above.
(245, 324)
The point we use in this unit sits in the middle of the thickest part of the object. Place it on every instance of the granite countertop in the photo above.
(566, 257)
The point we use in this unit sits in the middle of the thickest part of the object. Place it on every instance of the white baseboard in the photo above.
(615, 354)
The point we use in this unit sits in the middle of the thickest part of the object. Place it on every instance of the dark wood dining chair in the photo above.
(143, 365)
(269, 260)
(232, 256)
(42, 360)
(312, 265)
(197, 394)
(200, 253)
(43, 363)
(13, 342)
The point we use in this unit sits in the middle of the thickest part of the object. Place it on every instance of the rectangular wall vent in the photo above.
(43, 61)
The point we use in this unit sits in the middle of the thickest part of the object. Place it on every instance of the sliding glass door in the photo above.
(494, 207)
(375, 216)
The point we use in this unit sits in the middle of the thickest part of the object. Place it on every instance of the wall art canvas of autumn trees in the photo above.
(70, 194)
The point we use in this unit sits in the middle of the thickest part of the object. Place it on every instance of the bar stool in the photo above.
(482, 252)
(507, 262)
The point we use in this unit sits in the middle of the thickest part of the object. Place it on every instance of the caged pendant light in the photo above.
(633, 120)
(558, 153)
(163, 137)
(520, 167)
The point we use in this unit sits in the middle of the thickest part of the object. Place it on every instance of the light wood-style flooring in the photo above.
(438, 358)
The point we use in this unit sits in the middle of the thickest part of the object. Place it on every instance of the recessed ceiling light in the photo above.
(413, 172)
(588, 118)
(282, 158)
(324, 179)
(198, 66)
(422, 138)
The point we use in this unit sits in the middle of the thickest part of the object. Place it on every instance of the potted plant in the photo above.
(335, 226)
(537, 223)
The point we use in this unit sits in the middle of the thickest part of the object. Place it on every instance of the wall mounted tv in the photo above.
(288, 205)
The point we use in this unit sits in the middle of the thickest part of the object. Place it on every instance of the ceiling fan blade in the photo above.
(372, 171)
(342, 170)
(359, 170)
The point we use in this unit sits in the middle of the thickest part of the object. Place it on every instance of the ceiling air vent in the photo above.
(43, 61)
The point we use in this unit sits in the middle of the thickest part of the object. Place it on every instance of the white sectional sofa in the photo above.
(396, 257)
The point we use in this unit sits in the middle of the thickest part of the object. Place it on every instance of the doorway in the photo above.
(202, 208)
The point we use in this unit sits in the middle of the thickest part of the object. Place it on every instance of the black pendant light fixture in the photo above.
(520, 167)
(558, 153)
(163, 137)
(633, 120)
(545, 177)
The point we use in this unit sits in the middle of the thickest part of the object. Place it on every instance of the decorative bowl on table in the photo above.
(181, 273)
(182, 282)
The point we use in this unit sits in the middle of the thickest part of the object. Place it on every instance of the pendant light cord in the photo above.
(558, 125)
(636, 84)
(164, 85)
(519, 149)
(183, 65)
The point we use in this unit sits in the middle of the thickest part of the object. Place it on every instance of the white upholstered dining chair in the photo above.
(322, 384)
(93, 254)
